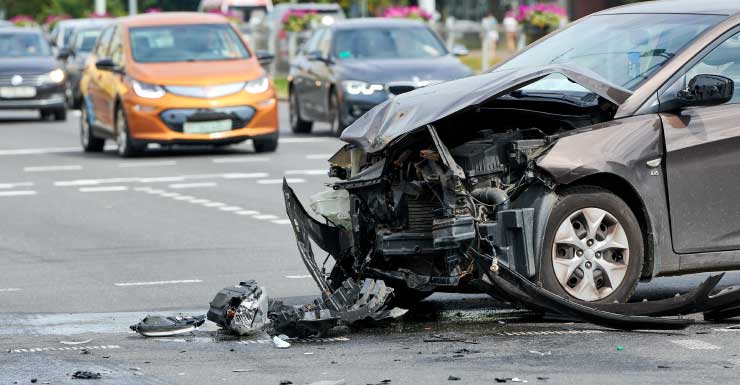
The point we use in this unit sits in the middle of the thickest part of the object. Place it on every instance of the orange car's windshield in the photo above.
(192, 42)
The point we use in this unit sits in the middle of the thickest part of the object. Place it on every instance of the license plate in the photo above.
(17, 92)
(207, 127)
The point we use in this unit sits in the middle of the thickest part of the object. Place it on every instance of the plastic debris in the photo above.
(241, 309)
(453, 378)
(75, 342)
(509, 379)
(280, 343)
(547, 353)
(242, 370)
(620, 348)
(86, 375)
(163, 326)
(335, 382)
(286, 382)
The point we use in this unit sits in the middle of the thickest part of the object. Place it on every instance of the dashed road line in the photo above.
(10, 289)
(148, 164)
(69, 167)
(16, 193)
(279, 181)
(160, 179)
(230, 208)
(65, 348)
(306, 172)
(214, 204)
(297, 340)
(185, 198)
(695, 344)
(103, 189)
(125, 284)
(298, 276)
(247, 212)
(242, 159)
(547, 333)
(265, 216)
(281, 221)
(193, 185)
(14, 185)
(319, 156)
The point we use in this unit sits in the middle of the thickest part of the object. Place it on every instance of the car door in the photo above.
(702, 158)
(315, 67)
(95, 93)
(322, 75)
(300, 68)
(109, 81)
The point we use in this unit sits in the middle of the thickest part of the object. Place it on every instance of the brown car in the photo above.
(605, 154)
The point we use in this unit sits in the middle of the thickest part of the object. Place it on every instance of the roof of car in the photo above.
(84, 22)
(14, 29)
(165, 18)
(370, 22)
(707, 7)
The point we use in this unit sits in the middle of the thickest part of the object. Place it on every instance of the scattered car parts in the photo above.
(164, 326)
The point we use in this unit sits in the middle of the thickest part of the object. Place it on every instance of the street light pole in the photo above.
(132, 7)
(99, 7)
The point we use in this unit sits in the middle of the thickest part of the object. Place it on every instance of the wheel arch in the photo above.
(624, 190)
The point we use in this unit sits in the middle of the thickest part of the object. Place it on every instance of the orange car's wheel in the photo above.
(90, 142)
(126, 146)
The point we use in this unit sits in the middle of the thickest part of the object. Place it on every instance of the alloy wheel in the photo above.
(121, 133)
(590, 254)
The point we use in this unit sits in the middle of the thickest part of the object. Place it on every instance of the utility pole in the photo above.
(132, 7)
(99, 7)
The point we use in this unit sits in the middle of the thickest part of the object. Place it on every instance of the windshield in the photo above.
(625, 49)
(23, 45)
(85, 40)
(193, 42)
(387, 43)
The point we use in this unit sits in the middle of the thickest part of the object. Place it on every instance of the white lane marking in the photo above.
(306, 172)
(176, 178)
(193, 185)
(695, 344)
(200, 201)
(70, 167)
(242, 159)
(185, 198)
(34, 151)
(14, 185)
(319, 156)
(148, 164)
(15, 193)
(144, 189)
(65, 348)
(265, 216)
(9, 289)
(281, 221)
(230, 208)
(214, 204)
(124, 284)
(169, 194)
(303, 140)
(279, 181)
(297, 276)
(103, 189)
(247, 212)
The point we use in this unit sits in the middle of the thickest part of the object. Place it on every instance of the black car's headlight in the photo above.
(55, 76)
(356, 87)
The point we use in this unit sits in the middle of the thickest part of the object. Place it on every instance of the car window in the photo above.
(84, 40)
(116, 48)
(23, 44)
(192, 42)
(101, 50)
(313, 41)
(723, 60)
(387, 43)
(325, 43)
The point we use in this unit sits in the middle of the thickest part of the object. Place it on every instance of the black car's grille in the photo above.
(26, 80)
(176, 118)
(400, 89)
(420, 217)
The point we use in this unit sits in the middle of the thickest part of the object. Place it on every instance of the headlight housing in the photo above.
(146, 90)
(356, 87)
(257, 86)
(56, 76)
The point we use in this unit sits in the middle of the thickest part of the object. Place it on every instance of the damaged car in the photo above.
(603, 155)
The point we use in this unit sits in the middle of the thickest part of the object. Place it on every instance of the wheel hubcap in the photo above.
(590, 254)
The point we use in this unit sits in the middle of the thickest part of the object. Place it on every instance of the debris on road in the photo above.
(453, 378)
(86, 375)
(325, 382)
(242, 370)
(547, 353)
(280, 343)
(162, 326)
(75, 342)
(240, 309)
(286, 382)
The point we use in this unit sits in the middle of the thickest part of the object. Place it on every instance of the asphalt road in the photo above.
(89, 243)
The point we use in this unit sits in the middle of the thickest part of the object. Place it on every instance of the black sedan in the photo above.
(30, 77)
(74, 57)
(346, 69)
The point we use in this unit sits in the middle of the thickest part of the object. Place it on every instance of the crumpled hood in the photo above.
(407, 112)
(393, 70)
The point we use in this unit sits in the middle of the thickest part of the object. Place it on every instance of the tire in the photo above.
(337, 127)
(90, 142)
(60, 114)
(584, 253)
(46, 114)
(267, 143)
(297, 124)
(127, 148)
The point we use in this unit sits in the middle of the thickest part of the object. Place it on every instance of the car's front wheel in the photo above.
(297, 124)
(593, 249)
(90, 142)
(266, 143)
(126, 146)
(337, 127)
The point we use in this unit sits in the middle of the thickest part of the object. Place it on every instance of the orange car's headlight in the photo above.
(257, 86)
(146, 90)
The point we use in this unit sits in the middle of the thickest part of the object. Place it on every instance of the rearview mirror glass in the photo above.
(707, 90)
(265, 58)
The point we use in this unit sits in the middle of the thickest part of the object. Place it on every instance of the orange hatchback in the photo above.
(176, 78)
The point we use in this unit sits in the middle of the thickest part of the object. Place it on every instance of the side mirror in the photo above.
(460, 50)
(315, 56)
(107, 65)
(707, 90)
(64, 53)
(265, 58)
